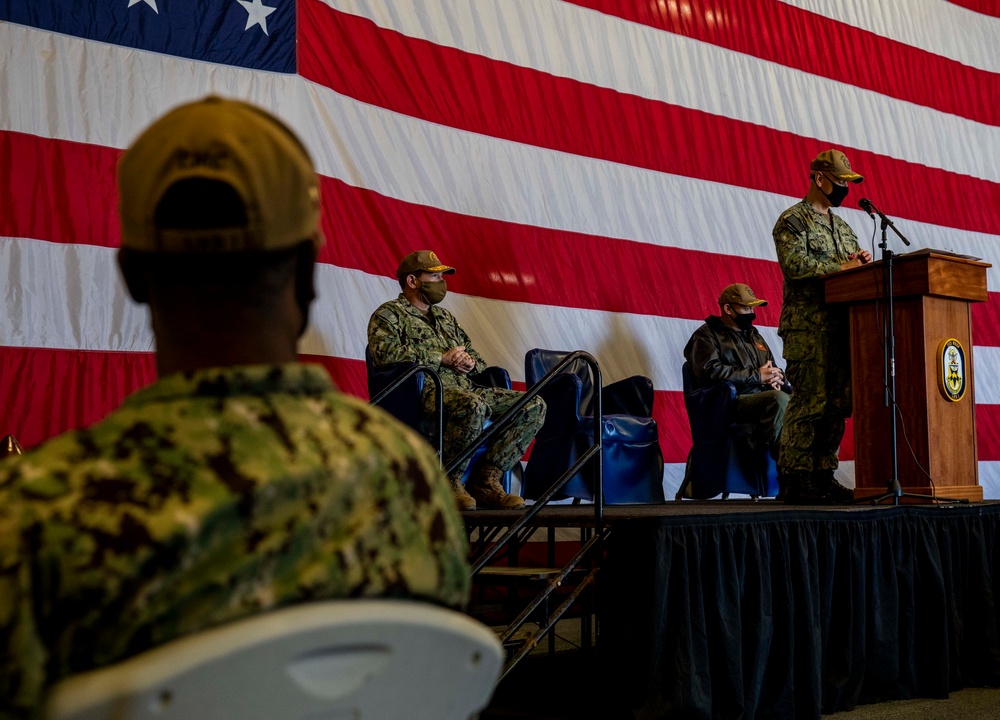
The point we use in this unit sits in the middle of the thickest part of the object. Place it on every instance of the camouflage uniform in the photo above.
(399, 332)
(205, 498)
(816, 338)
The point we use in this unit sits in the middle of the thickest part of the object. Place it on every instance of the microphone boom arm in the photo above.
(870, 208)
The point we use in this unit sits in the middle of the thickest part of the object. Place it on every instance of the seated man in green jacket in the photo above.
(415, 328)
(729, 347)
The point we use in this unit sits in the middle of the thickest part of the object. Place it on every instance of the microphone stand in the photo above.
(893, 489)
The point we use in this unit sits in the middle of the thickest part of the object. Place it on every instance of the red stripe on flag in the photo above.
(524, 263)
(83, 387)
(58, 190)
(781, 33)
(985, 7)
(986, 321)
(370, 232)
(530, 264)
(988, 432)
(79, 388)
(354, 57)
(672, 426)
(350, 376)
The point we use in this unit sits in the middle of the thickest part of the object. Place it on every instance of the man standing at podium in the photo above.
(811, 242)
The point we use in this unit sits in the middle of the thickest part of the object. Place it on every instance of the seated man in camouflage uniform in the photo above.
(812, 241)
(729, 348)
(241, 480)
(413, 327)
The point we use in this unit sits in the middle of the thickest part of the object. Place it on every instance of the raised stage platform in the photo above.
(740, 609)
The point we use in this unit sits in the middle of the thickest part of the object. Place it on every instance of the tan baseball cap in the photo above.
(422, 261)
(835, 163)
(740, 294)
(230, 141)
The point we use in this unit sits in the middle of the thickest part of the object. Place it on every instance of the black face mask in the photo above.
(837, 195)
(744, 321)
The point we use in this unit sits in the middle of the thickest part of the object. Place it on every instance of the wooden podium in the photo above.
(932, 293)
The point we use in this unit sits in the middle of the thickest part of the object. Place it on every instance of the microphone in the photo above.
(869, 207)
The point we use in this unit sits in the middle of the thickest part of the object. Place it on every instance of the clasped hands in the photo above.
(861, 257)
(458, 360)
(771, 375)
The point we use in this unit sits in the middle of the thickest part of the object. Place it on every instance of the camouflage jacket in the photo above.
(204, 498)
(809, 247)
(398, 332)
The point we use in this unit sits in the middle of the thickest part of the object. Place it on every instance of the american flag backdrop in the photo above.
(596, 169)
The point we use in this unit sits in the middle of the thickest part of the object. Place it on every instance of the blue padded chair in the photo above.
(633, 461)
(723, 458)
(406, 405)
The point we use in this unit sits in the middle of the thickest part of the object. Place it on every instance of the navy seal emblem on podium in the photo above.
(951, 369)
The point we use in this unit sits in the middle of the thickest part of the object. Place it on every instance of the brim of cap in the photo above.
(849, 177)
(757, 303)
(446, 269)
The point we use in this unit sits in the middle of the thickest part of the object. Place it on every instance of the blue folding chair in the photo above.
(633, 461)
(723, 458)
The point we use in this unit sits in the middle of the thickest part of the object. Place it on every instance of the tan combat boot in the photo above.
(463, 500)
(485, 487)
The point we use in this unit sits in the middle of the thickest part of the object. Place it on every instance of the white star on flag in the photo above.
(151, 3)
(257, 14)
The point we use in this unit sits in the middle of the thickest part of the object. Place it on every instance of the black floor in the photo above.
(559, 687)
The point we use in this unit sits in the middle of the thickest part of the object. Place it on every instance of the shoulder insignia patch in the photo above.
(795, 224)
(388, 315)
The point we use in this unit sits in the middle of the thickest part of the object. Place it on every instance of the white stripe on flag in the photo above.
(77, 301)
(986, 364)
(70, 296)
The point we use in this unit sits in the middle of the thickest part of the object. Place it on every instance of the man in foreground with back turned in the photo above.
(811, 242)
(728, 348)
(241, 480)
(415, 328)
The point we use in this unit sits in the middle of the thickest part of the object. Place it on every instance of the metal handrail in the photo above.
(553, 584)
(593, 452)
(10, 446)
(592, 546)
(439, 399)
(545, 629)
(525, 518)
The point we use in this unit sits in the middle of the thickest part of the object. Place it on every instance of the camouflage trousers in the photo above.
(819, 370)
(466, 411)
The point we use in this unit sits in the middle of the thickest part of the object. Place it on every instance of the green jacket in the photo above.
(809, 246)
(718, 353)
(204, 498)
(398, 332)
